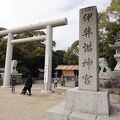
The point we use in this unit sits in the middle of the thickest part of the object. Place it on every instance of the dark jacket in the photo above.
(13, 81)
(28, 83)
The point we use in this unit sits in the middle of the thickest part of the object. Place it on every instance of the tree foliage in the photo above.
(58, 59)
(32, 53)
(114, 10)
(71, 56)
(30, 56)
(109, 25)
(2, 48)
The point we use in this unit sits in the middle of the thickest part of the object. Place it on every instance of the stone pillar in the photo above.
(7, 73)
(88, 49)
(48, 60)
(85, 102)
(87, 99)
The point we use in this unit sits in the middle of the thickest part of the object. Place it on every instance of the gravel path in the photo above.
(23, 107)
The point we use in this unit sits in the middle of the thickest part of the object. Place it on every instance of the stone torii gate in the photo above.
(48, 50)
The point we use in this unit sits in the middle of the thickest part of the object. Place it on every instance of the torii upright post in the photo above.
(48, 60)
(7, 74)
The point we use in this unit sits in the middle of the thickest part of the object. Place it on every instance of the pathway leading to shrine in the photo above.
(20, 107)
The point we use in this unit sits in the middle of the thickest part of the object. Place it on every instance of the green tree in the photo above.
(71, 56)
(30, 56)
(109, 25)
(58, 59)
(75, 47)
(2, 49)
(114, 10)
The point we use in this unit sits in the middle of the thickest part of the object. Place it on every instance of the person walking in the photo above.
(27, 86)
(13, 83)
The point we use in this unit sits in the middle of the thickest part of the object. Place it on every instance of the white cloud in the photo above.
(24, 12)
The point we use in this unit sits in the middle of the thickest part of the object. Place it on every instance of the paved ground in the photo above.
(23, 107)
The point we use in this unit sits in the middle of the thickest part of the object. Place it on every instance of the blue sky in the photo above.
(15, 13)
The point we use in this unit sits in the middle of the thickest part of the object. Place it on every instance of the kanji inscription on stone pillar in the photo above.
(88, 49)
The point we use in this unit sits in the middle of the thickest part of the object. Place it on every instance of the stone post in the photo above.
(85, 102)
(88, 49)
(7, 73)
(86, 98)
(48, 60)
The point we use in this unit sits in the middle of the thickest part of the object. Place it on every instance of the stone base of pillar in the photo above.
(60, 113)
(46, 87)
(84, 105)
(90, 102)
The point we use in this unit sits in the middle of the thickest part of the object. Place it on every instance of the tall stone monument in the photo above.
(85, 102)
(88, 53)
(87, 99)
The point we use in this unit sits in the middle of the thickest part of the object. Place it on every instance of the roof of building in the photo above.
(67, 67)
